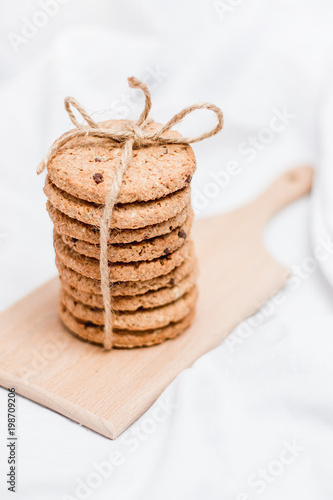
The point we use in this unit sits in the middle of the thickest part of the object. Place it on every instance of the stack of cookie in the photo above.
(151, 256)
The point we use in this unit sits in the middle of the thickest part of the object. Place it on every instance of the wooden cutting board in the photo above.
(108, 391)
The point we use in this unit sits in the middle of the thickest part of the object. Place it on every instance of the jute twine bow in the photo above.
(129, 135)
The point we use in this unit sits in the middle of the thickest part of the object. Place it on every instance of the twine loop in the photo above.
(128, 135)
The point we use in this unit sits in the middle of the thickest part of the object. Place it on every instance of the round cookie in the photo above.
(146, 319)
(134, 252)
(136, 271)
(84, 168)
(85, 232)
(129, 216)
(129, 288)
(123, 338)
(133, 302)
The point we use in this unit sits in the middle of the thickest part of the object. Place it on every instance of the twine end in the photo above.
(40, 167)
(133, 82)
(107, 346)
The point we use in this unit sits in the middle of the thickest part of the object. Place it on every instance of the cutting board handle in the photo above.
(291, 185)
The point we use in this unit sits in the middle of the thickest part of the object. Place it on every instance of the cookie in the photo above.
(123, 338)
(75, 229)
(93, 286)
(134, 252)
(146, 319)
(84, 168)
(133, 302)
(136, 271)
(129, 216)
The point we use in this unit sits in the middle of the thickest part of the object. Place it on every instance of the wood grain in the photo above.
(108, 391)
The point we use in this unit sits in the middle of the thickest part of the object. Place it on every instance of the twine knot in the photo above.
(128, 135)
(137, 133)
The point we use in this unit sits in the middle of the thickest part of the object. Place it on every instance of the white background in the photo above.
(237, 410)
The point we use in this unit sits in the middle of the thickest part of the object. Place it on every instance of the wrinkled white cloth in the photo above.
(253, 418)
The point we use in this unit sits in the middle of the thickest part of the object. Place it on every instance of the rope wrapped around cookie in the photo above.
(129, 135)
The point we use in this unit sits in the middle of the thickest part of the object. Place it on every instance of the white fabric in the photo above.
(261, 404)
(322, 202)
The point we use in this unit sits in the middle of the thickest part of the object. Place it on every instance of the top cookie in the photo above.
(84, 168)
